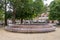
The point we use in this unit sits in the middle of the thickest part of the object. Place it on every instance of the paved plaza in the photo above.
(4, 35)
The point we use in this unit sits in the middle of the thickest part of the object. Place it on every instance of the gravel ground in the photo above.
(4, 35)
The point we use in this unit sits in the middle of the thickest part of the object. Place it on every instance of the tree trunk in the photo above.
(5, 21)
(13, 18)
(5, 14)
(52, 21)
(30, 21)
(58, 23)
(21, 21)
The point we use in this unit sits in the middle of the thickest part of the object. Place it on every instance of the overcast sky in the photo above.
(48, 2)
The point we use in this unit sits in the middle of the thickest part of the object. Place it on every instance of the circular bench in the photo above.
(30, 28)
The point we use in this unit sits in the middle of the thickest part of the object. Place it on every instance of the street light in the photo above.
(5, 14)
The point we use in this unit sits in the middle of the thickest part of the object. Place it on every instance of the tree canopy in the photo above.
(1, 10)
(27, 9)
(54, 10)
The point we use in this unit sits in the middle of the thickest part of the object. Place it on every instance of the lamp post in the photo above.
(5, 14)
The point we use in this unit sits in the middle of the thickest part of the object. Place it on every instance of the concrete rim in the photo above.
(22, 29)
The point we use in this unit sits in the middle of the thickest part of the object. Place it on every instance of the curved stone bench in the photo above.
(30, 28)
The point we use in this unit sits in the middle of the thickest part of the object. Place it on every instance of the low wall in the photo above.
(30, 28)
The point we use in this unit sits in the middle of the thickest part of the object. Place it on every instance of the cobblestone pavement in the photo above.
(4, 35)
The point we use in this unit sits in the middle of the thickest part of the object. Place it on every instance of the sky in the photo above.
(48, 2)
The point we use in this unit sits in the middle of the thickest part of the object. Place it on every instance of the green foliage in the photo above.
(1, 15)
(54, 10)
(1, 10)
(45, 9)
(27, 9)
(9, 14)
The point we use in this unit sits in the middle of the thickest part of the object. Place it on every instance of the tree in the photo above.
(1, 10)
(54, 10)
(26, 9)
